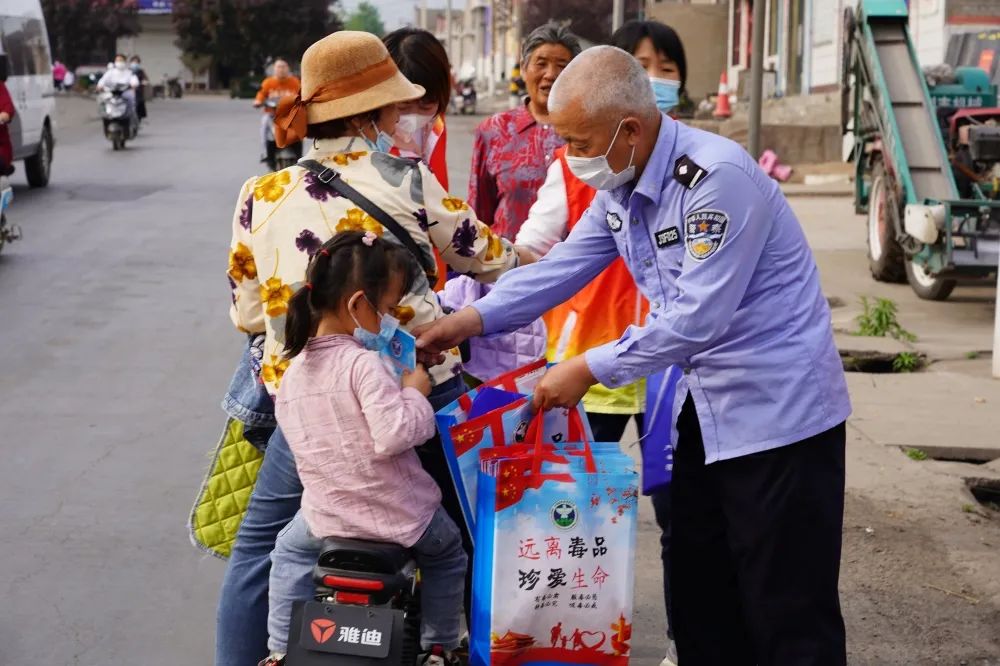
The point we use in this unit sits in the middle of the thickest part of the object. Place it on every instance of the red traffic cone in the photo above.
(722, 109)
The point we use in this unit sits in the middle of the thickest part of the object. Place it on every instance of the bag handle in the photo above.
(535, 435)
(331, 179)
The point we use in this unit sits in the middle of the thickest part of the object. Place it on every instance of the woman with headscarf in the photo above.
(347, 113)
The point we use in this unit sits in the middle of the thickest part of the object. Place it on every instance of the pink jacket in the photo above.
(352, 431)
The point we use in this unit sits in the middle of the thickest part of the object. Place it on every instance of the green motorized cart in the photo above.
(927, 158)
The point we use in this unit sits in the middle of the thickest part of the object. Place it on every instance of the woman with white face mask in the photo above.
(420, 131)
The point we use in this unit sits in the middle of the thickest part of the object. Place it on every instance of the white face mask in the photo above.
(596, 172)
(120, 64)
(411, 123)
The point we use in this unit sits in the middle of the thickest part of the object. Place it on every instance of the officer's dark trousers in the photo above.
(756, 552)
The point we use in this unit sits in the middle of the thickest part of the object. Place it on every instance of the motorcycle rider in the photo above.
(140, 93)
(282, 83)
(121, 75)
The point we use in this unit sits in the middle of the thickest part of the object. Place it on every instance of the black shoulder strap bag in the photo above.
(331, 179)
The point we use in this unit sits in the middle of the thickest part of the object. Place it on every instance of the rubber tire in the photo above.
(3, 223)
(38, 167)
(938, 290)
(888, 267)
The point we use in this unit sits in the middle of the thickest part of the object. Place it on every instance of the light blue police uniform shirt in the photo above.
(733, 288)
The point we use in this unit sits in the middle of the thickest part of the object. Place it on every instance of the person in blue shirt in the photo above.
(735, 300)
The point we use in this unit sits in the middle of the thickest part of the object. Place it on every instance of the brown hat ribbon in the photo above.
(291, 119)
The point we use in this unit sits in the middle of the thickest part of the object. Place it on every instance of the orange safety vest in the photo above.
(598, 313)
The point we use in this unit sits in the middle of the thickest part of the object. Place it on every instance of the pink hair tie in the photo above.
(369, 238)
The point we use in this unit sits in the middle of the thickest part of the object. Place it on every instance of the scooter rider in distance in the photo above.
(121, 75)
(281, 84)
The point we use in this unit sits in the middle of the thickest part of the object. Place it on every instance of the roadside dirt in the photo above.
(905, 599)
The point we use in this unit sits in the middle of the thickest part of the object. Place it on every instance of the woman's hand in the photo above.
(4, 117)
(418, 379)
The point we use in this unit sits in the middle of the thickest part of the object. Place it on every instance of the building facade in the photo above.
(804, 40)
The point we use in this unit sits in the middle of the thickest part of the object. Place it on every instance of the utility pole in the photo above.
(617, 14)
(423, 15)
(756, 79)
(447, 31)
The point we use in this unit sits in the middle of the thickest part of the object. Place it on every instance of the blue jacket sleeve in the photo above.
(710, 289)
(524, 294)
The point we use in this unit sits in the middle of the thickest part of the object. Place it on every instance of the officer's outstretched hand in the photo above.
(437, 337)
(563, 385)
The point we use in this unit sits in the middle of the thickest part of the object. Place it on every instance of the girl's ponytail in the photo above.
(298, 322)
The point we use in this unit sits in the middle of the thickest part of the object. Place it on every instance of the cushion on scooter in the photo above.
(373, 556)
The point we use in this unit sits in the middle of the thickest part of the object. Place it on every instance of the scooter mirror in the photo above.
(3, 66)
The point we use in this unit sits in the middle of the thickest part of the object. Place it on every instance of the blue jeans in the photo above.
(241, 622)
(439, 555)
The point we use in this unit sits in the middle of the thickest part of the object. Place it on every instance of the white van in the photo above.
(24, 56)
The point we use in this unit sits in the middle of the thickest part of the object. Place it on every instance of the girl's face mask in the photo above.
(387, 327)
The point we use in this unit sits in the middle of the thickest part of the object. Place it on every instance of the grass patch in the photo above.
(880, 320)
(916, 454)
(906, 362)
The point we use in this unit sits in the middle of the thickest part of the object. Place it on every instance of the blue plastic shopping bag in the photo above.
(658, 429)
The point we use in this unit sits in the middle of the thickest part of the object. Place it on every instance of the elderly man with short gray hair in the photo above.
(735, 300)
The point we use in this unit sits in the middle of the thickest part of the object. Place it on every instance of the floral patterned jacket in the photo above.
(282, 218)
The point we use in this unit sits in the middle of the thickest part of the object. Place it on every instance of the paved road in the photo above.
(117, 350)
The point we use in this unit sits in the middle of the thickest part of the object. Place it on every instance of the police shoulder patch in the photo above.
(614, 221)
(705, 232)
(687, 173)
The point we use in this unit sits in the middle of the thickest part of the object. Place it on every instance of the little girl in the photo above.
(352, 430)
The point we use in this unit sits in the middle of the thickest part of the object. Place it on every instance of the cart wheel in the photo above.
(885, 256)
(925, 285)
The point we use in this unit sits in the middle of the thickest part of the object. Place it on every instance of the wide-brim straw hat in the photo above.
(343, 74)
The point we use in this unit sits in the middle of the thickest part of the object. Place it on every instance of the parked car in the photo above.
(24, 47)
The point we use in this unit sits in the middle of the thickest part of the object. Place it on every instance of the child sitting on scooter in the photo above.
(352, 429)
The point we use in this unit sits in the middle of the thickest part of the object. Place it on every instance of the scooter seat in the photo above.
(371, 556)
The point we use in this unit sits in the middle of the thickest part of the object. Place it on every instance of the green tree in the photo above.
(366, 18)
(240, 36)
(83, 32)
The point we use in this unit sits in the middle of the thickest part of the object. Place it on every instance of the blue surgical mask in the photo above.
(383, 142)
(376, 341)
(667, 93)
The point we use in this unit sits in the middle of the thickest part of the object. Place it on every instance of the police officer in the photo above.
(735, 298)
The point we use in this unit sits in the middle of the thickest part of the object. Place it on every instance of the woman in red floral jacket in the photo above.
(514, 148)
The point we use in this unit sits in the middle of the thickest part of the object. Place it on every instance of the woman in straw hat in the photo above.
(346, 112)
